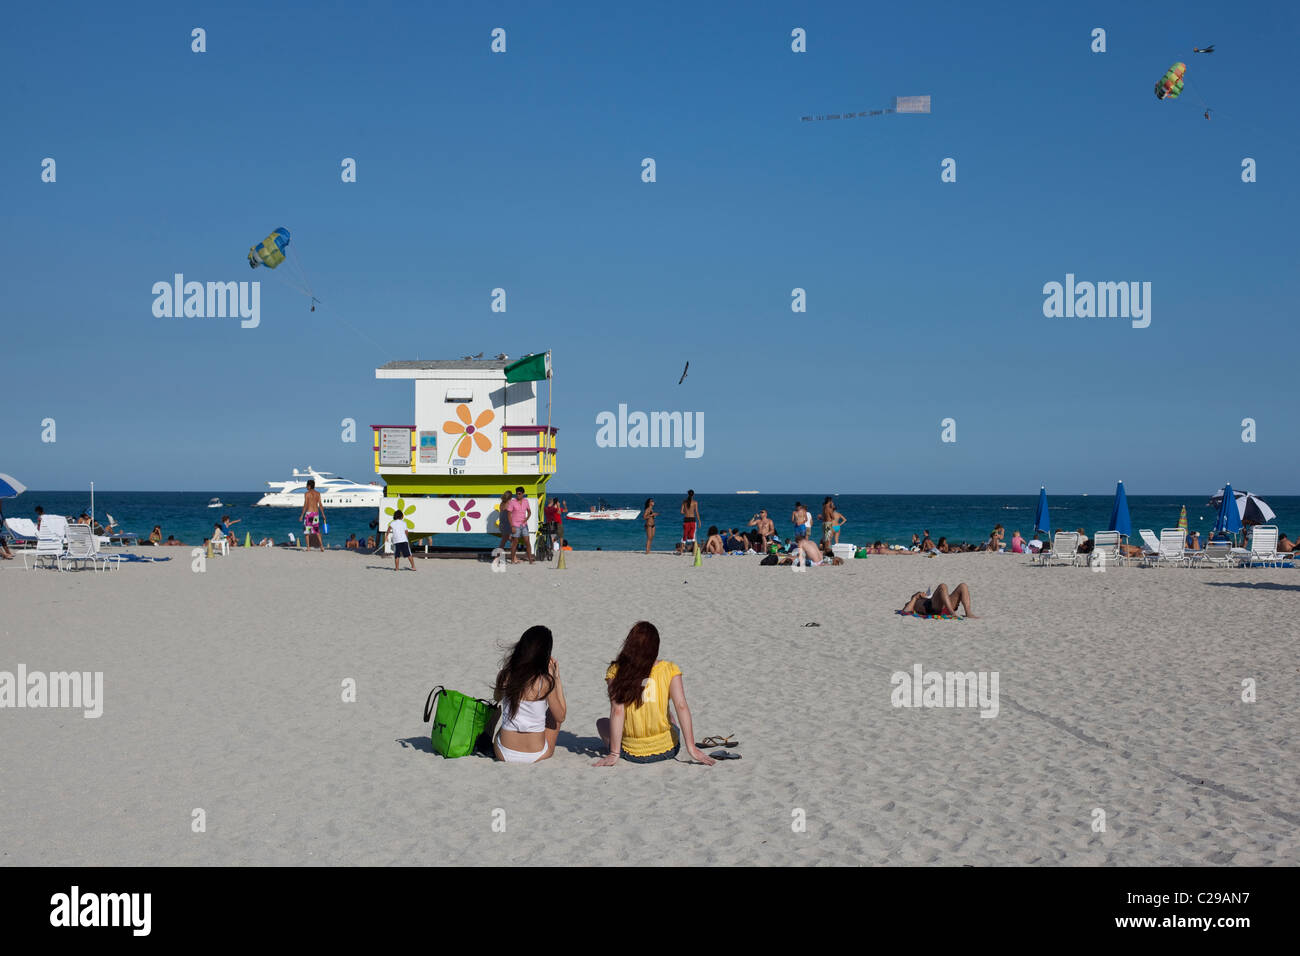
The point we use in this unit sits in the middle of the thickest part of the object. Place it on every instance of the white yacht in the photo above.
(335, 492)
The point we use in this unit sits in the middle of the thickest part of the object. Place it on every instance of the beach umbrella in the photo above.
(1251, 509)
(1229, 518)
(10, 487)
(1182, 521)
(1042, 522)
(1119, 519)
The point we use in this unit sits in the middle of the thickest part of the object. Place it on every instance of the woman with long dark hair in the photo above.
(532, 699)
(640, 685)
(649, 514)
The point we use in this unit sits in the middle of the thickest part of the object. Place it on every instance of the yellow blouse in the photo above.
(646, 730)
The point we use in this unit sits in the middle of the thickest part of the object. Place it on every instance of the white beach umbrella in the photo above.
(1252, 509)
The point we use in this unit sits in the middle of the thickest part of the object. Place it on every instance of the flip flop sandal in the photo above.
(724, 755)
(811, 624)
(720, 742)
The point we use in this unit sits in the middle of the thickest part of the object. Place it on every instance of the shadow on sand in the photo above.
(1254, 585)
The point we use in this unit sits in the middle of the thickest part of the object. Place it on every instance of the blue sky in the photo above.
(522, 170)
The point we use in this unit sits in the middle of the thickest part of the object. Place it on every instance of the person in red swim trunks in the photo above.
(690, 516)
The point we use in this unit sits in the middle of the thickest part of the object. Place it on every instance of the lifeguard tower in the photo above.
(476, 434)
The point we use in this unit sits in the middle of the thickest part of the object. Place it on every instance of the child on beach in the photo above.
(397, 538)
(640, 685)
(532, 699)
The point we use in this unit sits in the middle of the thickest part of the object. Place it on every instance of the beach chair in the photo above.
(1105, 547)
(49, 543)
(22, 529)
(1173, 547)
(80, 545)
(1150, 546)
(1065, 548)
(110, 560)
(220, 544)
(1217, 554)
(1263, 546)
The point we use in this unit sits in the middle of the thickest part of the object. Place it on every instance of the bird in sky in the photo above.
(683, 378)
(1203, 49)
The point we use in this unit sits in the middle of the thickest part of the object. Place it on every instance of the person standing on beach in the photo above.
(690, 516)
(828, 522)
(800, 518)
(519, 512)
(503, 518)
(397, 538)
(649, 514)
(312, 517)
(762, 524)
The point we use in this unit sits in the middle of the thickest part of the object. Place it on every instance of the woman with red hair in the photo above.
(638, 728)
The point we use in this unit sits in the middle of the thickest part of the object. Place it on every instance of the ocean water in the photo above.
(889, 518)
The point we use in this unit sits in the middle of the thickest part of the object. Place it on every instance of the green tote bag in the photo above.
(461, 724)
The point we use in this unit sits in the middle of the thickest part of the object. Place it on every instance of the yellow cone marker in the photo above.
(560, 564)
(699, 562)
(248, 539)
(209, 547)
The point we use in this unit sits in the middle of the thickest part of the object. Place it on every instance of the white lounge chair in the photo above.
(1106, 547)
(49, 543)
(1217, 554)
(1263, 546)
(1173, 547)
(1065, 548)
(110, 560)
(22, 529)
(80, 545)
(1150, 546)
(219, 543)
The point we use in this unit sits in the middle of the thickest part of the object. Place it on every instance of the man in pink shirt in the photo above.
(519, 512)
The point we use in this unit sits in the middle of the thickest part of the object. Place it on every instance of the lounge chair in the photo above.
(49, 543)
(1065, 548)
(23, 529)
(1150, 546)
(80, 545)
(1263, 546)
(1105, 546)
(1217, 554)
(1173, 547)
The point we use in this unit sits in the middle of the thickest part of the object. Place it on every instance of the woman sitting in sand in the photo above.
(155, 536)
(714, 544)
(942, 601)
(532, 699)
(640, 685)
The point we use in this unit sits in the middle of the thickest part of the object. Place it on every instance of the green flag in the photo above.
(530, 368)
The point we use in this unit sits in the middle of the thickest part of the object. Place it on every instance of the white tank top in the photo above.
(529, 719)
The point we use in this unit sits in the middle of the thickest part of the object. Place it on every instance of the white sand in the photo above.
(1119, 691)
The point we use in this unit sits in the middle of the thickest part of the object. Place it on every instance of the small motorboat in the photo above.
(215, 503)
(603, 512)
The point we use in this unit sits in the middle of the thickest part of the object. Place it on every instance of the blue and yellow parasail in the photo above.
(270, 251)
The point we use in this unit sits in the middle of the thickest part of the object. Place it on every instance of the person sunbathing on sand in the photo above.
(941, 602)
(714, 544)
(812, 555)
(640, 686)
(532, 699)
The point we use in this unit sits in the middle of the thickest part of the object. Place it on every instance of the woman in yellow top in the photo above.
(638, 728)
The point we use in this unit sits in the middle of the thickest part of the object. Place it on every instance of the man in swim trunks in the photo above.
(799, 518)
(942, 601)
(313, 514)
(690, 516)
(763, 525)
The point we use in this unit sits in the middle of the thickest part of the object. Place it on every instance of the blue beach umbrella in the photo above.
(1042, 522)
(10, 487)
(1119, 519)
(1229, 518)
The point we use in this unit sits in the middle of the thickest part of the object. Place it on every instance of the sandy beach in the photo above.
(1119, 692)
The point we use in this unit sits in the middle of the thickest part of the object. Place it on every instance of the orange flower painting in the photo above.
(469, 429)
